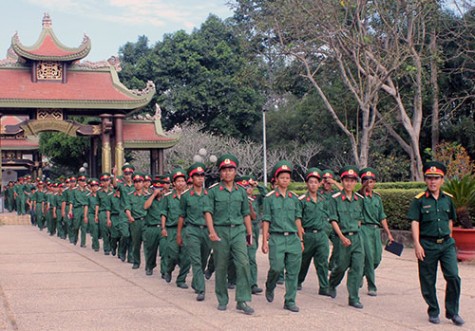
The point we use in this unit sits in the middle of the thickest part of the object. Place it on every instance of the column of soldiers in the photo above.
(179, 220)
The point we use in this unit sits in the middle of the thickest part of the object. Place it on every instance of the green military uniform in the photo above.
(120, 226)
(285, 249)
(126, 189)
(135, 204)
(104, 230)
(195, 235)
(38, 200)
(316, 247)
(176, 255)
(152, 233)
(20, 197)
(327, 173)
(78, 199)
(68, 221)
(433, 216)
(228, 209)
(50, 221)
(93, 226)
(348, 213)
(60, 222)
(373, 214)
(9, 198)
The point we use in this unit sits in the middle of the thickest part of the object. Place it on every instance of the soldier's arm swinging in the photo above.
(420, 254)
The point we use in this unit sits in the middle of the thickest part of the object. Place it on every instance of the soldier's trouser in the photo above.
(9, 204)
(176, 255)
(136, 229)
(151, 240)
(334, 256)
(198, 246)
(84, 229)
(77, 222)
(50, 222)
(61, 225)
(351, 258)
(21, 204)
(445, 253)
(93, 228)
(285, 254)
(104, 232)
(373, 250)
(316, 248)
(162, 252)
(39, 216)
(232, 244)
(119, 234)
(251, 252)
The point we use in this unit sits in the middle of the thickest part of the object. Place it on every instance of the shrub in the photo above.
(396, 204)
(463, 192)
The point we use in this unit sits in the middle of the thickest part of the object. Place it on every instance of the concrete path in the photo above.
(48, 284)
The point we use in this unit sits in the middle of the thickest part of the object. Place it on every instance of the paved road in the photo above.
(48, 284)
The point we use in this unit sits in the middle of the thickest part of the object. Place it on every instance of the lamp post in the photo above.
(264, 144)
(202, 157)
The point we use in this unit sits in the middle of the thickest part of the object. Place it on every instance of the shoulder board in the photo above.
(420, 195)
(270, 193)
(213, 185)
(362, 197)
(336, 195)
(294, 194)
(110, 193)
(147, 193)
(75, 188)
(88, 194)
(130, 193)
(376, 193)
(448, 194)
(302, 197)
(185, 191)
(250, 199)
(168, 193)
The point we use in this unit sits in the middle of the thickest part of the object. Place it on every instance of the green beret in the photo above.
(281, 166)
(350, 171)
(227, 161)
(434, 168)
(196, 168)
(178, 172)
(313, 172)
(368, 173)
(128, 167)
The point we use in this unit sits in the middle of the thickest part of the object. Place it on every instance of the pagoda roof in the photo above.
(49, 48)
(89, 86)
(146, 134)
(17, 143)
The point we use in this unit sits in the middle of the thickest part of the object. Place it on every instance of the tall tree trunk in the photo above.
(435, 89)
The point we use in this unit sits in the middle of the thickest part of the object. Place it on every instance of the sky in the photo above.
(108, 23)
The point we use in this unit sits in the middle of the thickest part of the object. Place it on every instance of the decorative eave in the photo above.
(146, 134)
(49, 48)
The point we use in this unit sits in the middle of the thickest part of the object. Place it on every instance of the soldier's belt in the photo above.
(229, 225)
(437, 240)
(197, 226)
(310, 230)
(139, 218)
(283, 233)
(171, 226)
(153, 225)
(350, 233)
(376, 226)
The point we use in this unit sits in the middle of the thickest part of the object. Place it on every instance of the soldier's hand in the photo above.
(164, 233)
(179, 240)
(109, 223)
(346, 242)
(390, 238)
(131, 220)
(214, 237)
(96, 219)
(303, 246)
(265, 247)
(85, 220)
(419, 250)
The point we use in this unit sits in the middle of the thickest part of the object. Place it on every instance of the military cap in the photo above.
(227, 161)
(72, 178)
(178, 172)
(245, 181)
(147, 178)
(40, 183)
(93, 181)
(105, 176)
(327, 173)
(434, 168)
(156, 184)
(67, 181)
(313, 172)
(280, 167)
(350, 171)
(138, 176)
(196, 168)
(82, 178)
(164, 179)
(128, 168)
(368, 173)
(20, 178)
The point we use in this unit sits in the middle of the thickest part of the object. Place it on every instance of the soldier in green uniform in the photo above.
(282, 235)
(314, 223)
(67, 197)
(9, 197)
(135, 211)
(432, 214)
(20, 197)
(229, 224)
(57, 214)
(119, 225)
(152, 227)
(38, 203)
(170, 210)
(105, 193)
(91, 213)
(346, 214)
(374, 219)
(49, 203)
(78, 199)
(195, 237)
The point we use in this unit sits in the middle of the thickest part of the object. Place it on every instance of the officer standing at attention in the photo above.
(432, 214)
(282, 235)
(374, 219)
(314, 223)
(195, 237)
(346, 214)
(229, 224)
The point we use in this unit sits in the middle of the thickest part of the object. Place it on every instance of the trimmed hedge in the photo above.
(298, 186)
(396, 205)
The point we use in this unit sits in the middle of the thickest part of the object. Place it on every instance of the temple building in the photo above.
(43, 86)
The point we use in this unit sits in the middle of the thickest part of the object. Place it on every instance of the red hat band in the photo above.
(434, 171)
(349, 173)
(228, 163)
(313, 174)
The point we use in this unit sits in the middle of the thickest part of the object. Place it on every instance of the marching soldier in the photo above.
(314, 223)
(229, 225)
(105, 193)
(78, 199)
(346, 215)
(91, 213)
(170, 210)
(432, 214)
(57, 214)
(195, 237)
(119, 225)
(282, 235)
(20, 196)
(38, 203)
(374, 219)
